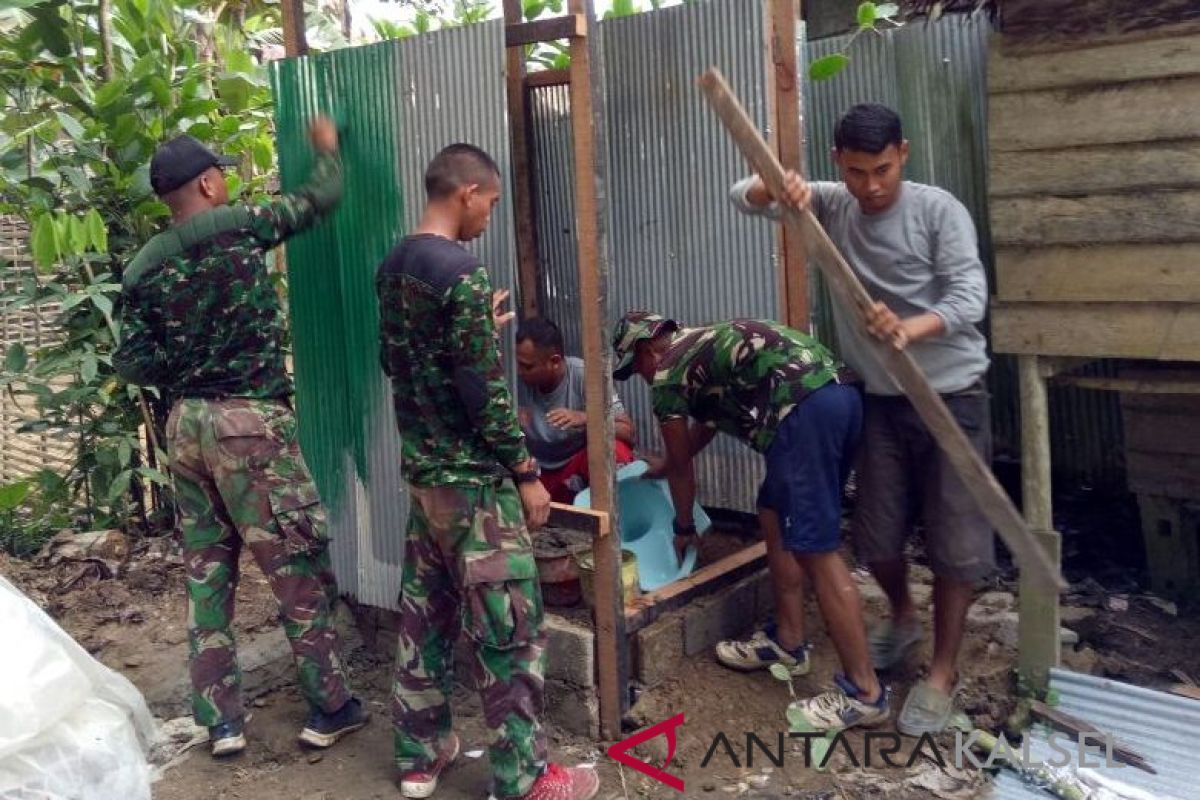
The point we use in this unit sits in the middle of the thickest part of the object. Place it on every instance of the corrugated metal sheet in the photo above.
(676, 244)
(934, 75)
(1157, 725)
(398, 105)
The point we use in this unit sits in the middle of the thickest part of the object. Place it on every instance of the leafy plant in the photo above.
(868, 16)
(88, 96)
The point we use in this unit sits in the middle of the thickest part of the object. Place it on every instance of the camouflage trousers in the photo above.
(240, 479)
(469, 566)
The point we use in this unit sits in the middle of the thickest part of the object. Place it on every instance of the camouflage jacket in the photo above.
(438, 344)
(200, 316)
(741, 377)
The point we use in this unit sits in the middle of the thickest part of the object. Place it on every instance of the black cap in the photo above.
(181, 159)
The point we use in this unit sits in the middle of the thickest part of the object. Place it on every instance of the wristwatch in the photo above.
(681, 530)
(529, 475)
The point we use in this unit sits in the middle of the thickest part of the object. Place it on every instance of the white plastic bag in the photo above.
(70, 727)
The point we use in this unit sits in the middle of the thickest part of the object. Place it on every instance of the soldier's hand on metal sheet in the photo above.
(499, 316)
(324, 135)
(566, 418)
(536, 501)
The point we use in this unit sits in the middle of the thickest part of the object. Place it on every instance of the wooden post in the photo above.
(789, 147)
(294, 43)
(588, 126)
(522, 168)
(850, 293)
(1038, 627)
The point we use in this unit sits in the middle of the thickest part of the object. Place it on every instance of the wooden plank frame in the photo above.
(570, 26)
(649, 607)
(522, 165)
(591, 173)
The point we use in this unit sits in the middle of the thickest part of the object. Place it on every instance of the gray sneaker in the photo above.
(890, 643)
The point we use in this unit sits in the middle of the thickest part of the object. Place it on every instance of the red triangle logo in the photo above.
(619, 752)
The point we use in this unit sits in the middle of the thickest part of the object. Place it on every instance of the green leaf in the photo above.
(124, 452)
(534, 8)
(120, 485)
(88, 367)
(867, 14)
(104, 303)
(69, 124)
(76, 234)
(97, 231)
(45, 242)
(262, 153)
(820, 752)
(157, 476)
(13, 494)
(16, 358)
(825, 68)
(110, 92)
(781, 673)
(161, 91)
(51, 28)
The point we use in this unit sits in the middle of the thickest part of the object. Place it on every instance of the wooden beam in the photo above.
(1166, 273)
(587, 127)
(1158, 331)
(1068, 22)
(1010, 70)
(1131, 385)
(1146, 111)
(1038, 621)
(648, 607)
(569, 26)
(849, 291)
(294, 42)
(1111, 168)
(522, 169)
(789, 147)
(597, 523)
(1151, 217)
(547, 77)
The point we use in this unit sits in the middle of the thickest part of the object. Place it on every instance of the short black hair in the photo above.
(458, 165)
(868, 128)
(542, 332)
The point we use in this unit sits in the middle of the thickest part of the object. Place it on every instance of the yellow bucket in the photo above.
(587, 576)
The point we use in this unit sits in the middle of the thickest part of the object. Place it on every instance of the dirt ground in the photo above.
(135, 623)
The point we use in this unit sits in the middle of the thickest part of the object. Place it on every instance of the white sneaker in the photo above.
(840, 708)
(761, 651)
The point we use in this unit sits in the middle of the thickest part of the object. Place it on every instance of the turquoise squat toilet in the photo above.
(646, 515)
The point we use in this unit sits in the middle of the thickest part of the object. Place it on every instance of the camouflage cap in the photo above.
(631, 329)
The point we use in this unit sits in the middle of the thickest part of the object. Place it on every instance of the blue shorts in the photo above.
(808, 464)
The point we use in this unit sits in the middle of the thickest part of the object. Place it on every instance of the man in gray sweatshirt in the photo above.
(914, 249)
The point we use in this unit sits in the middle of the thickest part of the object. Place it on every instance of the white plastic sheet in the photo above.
(70, 727)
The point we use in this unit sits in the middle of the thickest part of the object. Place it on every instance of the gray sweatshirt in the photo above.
(918, 256)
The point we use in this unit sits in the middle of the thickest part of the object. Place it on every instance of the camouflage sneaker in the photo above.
(840, 708)
(228, 738)
(423, 782)
(762, 650)
(323, 730)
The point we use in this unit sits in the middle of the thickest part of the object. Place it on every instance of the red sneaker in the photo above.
(420, 784)
(565, 783)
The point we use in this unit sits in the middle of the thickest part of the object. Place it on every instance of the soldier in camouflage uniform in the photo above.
(201, 321)
(787, 396)
(468, 561)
